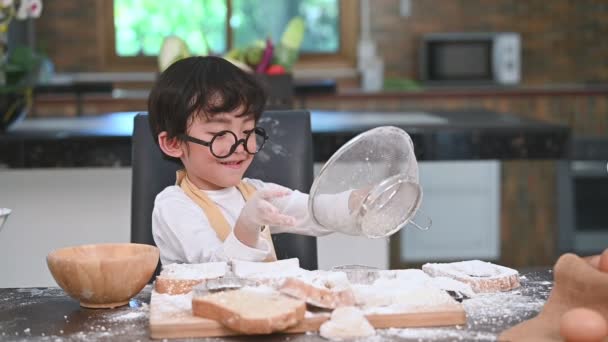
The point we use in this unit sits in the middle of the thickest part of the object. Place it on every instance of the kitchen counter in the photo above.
(438, 91)
(48, 314)
(102, 141)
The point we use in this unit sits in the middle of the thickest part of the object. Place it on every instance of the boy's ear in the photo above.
(170, 146)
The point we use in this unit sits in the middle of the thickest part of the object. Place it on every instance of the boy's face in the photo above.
(207, 171)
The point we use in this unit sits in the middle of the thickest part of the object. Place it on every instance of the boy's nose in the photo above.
(240, 146)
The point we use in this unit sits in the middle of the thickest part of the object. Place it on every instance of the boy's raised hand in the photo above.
(259, 211)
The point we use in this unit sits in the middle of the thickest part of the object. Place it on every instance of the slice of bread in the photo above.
(480, 275)
(181, 278)
(328, 290)
(265, 270)
(251, 310)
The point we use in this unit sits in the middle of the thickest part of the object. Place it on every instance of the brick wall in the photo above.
(564, 41)
(67, 32)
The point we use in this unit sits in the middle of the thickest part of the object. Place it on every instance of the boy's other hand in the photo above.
(259, 211)
(356, 198)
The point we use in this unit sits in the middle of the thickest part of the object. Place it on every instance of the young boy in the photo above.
(203, 111)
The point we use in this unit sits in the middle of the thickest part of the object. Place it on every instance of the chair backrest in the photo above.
(286, 160)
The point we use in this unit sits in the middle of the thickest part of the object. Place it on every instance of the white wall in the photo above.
(54, 208)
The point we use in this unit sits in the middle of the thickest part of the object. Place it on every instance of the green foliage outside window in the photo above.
(141, 25)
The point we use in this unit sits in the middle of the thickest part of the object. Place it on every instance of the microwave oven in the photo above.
(470, 58)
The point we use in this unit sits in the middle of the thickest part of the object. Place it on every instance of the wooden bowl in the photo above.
(103, 275)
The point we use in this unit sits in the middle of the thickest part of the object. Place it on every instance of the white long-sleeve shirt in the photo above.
(183, 233)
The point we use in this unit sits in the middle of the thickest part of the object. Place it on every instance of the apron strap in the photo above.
(214, 215)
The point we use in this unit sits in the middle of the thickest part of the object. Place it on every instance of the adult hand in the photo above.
(599, 261)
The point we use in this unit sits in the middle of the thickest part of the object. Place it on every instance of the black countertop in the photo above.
(456, 135)
(48, 314)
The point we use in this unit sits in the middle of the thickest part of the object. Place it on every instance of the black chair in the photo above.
(285, 160)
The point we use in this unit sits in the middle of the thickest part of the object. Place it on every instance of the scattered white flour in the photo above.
(488, 315)
(404, 274)
(206, 270)
(170, 305)
(127, 316)
(332, 280)
(346, 323)
(392, 300)
(399, 292)
(505, 308)
(30, 295)
(94, 325)
(32, 291)
(426, 334)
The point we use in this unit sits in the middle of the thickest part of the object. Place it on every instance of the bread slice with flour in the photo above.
(480, 275)
(323, 289)
(177, 279)
(328, 290)
(251, 310)
(266, 270)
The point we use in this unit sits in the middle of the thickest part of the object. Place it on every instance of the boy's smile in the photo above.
(236, 164)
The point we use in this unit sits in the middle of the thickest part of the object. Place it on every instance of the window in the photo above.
(134, 29)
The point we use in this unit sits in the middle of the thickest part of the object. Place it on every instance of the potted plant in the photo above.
(273, 62)
(18, 67)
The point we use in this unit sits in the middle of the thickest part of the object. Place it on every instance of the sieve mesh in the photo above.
(381, 167)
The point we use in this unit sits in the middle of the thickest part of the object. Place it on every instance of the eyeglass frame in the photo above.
(255, 130)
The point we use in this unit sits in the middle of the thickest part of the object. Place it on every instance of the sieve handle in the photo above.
(425, 225)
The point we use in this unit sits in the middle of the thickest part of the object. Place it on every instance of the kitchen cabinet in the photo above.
(463, 200)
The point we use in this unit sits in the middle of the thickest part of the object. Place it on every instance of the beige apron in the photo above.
(214, 215)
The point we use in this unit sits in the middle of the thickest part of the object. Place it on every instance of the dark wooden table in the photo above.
(48, 314)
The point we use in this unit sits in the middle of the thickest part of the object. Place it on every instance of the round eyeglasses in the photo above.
(224, 143)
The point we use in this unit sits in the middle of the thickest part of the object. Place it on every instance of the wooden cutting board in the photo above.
(178, 322)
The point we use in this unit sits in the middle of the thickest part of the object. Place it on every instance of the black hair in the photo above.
(201, 86)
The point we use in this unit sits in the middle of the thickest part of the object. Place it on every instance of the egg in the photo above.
(583, 325)
(603, 264)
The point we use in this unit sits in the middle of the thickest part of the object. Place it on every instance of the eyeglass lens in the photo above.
(224, 143)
